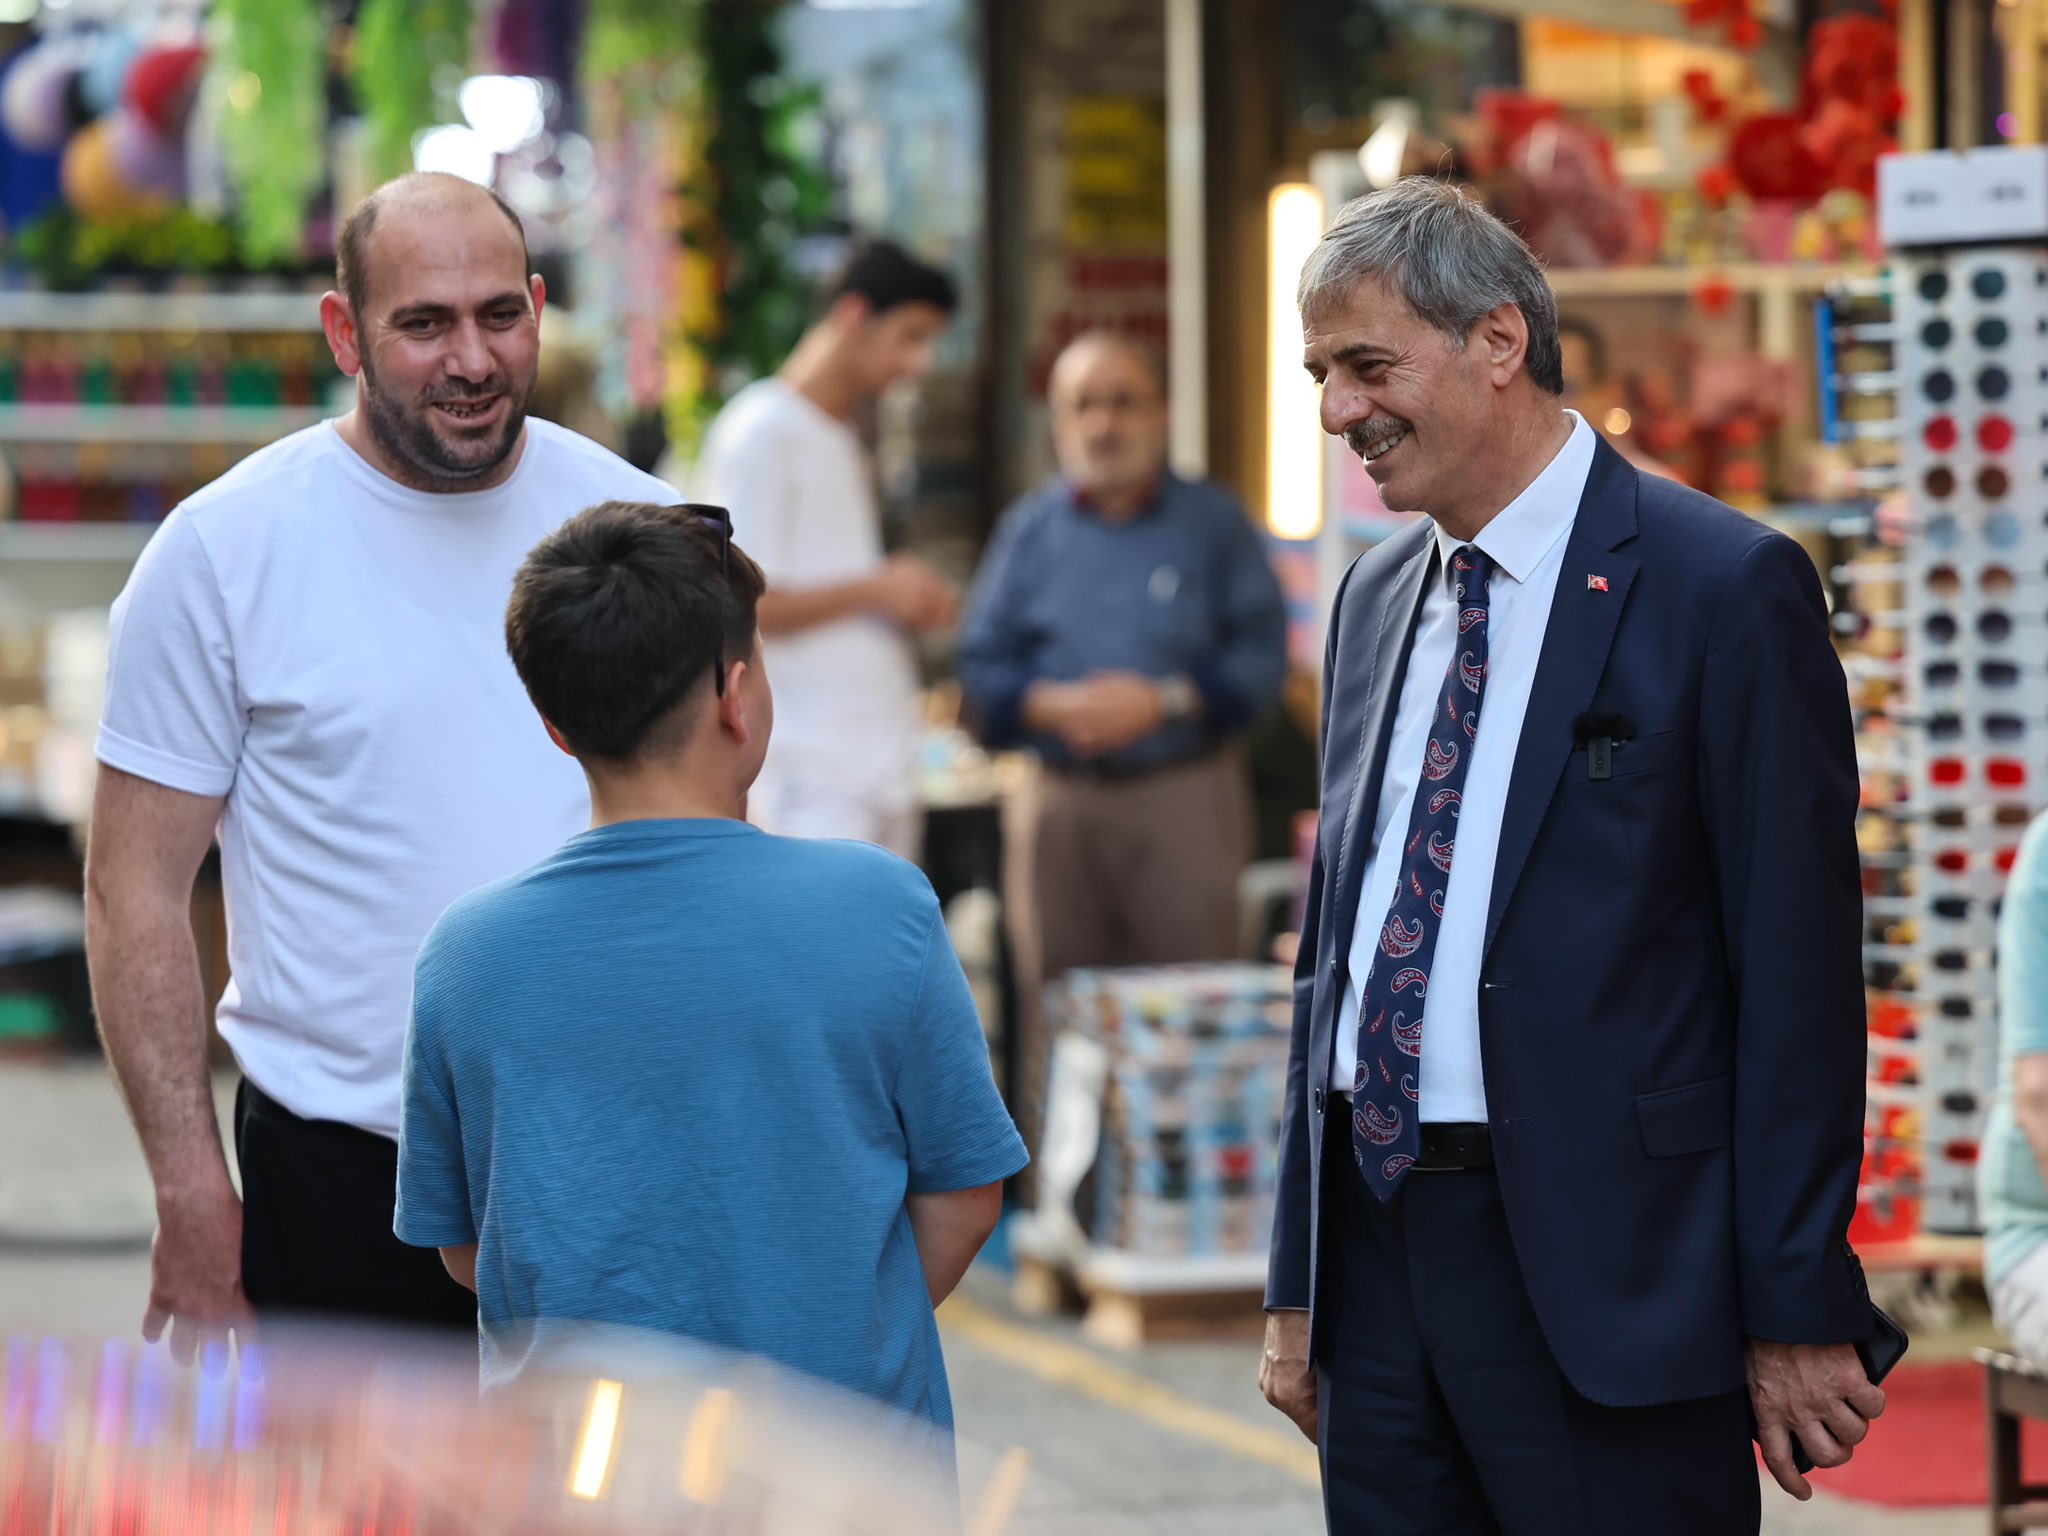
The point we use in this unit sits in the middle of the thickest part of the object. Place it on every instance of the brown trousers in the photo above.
(1141, 871)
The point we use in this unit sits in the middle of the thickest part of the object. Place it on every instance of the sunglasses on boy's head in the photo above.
(719, 520)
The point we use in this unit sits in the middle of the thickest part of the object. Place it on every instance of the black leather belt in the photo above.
(1110, 771)
(1453, 1146)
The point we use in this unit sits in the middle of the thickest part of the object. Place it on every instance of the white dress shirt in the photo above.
(1526, 542)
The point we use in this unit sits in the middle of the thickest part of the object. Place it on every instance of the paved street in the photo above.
(1171, 1440)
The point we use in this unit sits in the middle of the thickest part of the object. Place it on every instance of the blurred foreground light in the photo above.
(1618, 422)
(245, 92)
(457, 151)
(1294, 434)
(593, 1462)
(707, 1447)
(505, 111)
(12, 11)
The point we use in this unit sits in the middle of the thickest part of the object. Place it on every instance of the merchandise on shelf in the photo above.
(115, 407)
(1195, 1083)
(1970, 360)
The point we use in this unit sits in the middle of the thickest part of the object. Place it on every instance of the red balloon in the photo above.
(161, 85)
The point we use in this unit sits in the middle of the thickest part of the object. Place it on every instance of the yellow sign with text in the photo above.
(1115, 153)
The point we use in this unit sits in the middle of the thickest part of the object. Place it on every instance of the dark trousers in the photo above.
(317, 1200)
(1443, 1411)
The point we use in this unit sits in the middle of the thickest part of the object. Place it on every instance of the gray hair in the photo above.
(1447, 256)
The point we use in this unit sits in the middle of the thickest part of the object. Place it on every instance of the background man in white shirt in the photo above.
(1575, 1100)
(785, 458)
(309, 658)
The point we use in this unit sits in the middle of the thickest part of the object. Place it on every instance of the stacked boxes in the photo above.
(1195, 1083)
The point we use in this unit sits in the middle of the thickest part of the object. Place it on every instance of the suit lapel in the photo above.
(1396, 606)
(1576, 644)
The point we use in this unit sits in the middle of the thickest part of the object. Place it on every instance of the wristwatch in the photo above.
(1181, 699)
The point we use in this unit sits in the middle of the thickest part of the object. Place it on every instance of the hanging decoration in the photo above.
(1847, 115)
(706, 191)
(409, 58)
(272, 54)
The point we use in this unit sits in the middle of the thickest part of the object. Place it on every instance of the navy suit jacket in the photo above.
(1671, 999)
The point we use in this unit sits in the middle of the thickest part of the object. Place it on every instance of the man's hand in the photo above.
(909, 592)
(195, 1270)
(1285, 1375)
(1817, 1392)
(1109, 711)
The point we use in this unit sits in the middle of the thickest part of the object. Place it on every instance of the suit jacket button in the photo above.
(1319, 1101)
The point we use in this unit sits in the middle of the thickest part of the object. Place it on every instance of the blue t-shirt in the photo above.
(680, 1076)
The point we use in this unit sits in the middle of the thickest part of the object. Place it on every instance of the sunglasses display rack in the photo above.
(1857, 344)
(1971, 352)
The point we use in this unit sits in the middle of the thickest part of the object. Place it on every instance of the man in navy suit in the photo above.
(1576, 1094)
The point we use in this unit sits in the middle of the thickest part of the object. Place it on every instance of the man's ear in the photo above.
(538, 287)
(343, 339)
(1503, 332)
(732, 704)
(849, 310)
(557, 738)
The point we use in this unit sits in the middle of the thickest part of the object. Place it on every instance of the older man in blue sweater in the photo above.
(1125, 626)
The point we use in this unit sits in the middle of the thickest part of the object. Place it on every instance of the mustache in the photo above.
(1368, 435)
(466, 394)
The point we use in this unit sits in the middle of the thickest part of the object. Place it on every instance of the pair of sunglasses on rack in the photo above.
(1994, 434)
(1993, 625)
(1959, 861)
(1986, 283)
(1991, 673)
(1992, 383)
(1990, 334)
(1944, 533)
(1993, 482)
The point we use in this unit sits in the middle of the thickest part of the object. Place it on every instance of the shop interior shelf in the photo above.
(180, 312)
(153, 424)
(80, 543)
(1681, 282)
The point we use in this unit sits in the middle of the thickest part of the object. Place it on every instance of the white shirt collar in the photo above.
(1525, 530)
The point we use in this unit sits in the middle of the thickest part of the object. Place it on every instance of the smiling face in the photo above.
(446, 342)
(1423, 412)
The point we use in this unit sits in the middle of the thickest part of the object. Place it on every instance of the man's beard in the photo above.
(1368, 435)
(408, 436)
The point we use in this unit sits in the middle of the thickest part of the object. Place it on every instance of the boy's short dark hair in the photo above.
(619, 616)
(888, 276)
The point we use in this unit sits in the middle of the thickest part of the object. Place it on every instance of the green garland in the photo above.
(409, 57)
(271, 55)
(765, 193)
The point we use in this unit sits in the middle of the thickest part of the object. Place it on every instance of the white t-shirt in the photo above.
(327, 649)
(799, 488)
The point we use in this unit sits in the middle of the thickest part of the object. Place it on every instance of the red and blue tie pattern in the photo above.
(1386, 1109)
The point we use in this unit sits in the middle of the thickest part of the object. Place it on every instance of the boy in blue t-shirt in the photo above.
(682, 1075)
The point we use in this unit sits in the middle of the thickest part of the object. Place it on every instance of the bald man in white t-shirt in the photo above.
(310, 659)
(838, 615)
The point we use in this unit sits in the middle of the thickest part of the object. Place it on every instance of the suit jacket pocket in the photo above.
(1697, 1117)
(1645, 753)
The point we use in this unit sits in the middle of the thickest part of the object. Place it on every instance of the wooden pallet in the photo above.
(1118, 1320)
(1123, 1316)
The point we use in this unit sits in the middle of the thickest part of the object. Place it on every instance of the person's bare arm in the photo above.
(906, 591)
(146, 846)
(950, 1229)
(461, 1265)
(787, 613)
(2030, 1101)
